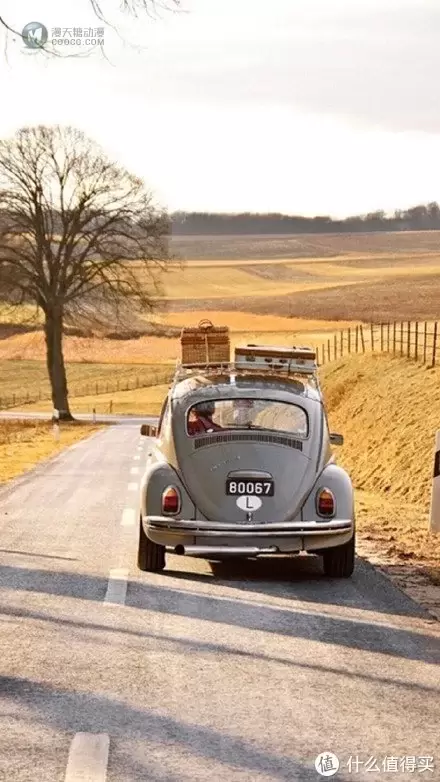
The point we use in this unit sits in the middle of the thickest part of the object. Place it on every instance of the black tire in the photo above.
(339, 560)
(151, 556)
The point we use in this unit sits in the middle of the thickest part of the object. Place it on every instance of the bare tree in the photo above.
(151, 8)
(78, 234)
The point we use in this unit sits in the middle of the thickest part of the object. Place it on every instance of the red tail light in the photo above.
(325, 502)
(171, 500)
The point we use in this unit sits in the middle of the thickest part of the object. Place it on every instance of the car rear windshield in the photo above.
(261, 414)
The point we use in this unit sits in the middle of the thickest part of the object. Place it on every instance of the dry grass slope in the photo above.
(388, 410)
(25, 443)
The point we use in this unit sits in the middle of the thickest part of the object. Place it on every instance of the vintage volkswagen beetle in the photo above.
(241, 465)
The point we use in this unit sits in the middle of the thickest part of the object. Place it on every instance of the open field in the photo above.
(142, 401)
(323, 283)
(411, 297)
(25, 443)
(264, 280)
(28, 379)
(303, 245)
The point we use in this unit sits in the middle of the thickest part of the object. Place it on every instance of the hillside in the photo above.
(388, 410)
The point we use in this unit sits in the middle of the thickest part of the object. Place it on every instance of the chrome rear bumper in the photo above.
(206, 538)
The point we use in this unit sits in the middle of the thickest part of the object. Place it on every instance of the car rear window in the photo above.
(259, 414)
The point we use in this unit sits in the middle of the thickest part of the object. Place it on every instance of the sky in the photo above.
(313, 107)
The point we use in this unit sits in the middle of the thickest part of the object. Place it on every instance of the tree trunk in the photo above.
(53, 329)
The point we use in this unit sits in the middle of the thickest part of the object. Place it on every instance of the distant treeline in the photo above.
(418, 218)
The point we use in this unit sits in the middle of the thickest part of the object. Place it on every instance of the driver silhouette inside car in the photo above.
(201, 419)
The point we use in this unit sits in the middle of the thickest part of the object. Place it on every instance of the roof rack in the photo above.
(295, 362)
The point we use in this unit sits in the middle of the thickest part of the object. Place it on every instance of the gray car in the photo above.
(241, 465)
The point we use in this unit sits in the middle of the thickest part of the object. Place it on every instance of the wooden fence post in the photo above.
(401, 337)
(394, 337)
(416, 354)
(372, 337)
(388, 337)
(434, 345)
(323, 354)
(425, 338)
(335, 346)
(381, 337)
(342, 342)
(349, 339)
(357, 339)
(408, 341)
(362, 338)
(328, 350)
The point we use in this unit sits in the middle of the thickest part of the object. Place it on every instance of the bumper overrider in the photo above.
(206, 538)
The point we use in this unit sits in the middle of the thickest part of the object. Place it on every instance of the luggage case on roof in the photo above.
(205, 344)
(301, 359)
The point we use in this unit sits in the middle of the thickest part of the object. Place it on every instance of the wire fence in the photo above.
(159, 375)
(417, 340)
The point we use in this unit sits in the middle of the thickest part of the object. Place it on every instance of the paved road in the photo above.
(243, 673)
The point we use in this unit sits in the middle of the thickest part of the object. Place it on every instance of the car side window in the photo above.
(163, 415)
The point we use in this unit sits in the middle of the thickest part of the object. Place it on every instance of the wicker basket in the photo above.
(205, 344)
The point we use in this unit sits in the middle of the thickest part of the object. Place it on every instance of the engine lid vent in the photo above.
(247, 437)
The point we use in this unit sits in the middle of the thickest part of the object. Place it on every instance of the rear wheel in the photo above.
(151, 556)
(339, 561)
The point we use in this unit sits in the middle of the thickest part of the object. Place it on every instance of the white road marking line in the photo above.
(134, 470)
(88, 758)
(133, 486)
(128, 517)
(117, 586)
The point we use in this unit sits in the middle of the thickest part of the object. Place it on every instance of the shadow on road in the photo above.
(70, 712)
(122, 634)
(157, 596)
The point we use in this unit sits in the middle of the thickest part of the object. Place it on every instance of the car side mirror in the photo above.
(148, 430)
(336, 439)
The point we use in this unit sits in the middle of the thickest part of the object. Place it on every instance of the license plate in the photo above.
(250, 487)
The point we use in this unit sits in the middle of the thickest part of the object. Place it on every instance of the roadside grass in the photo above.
(379, 403)
(23, 444)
